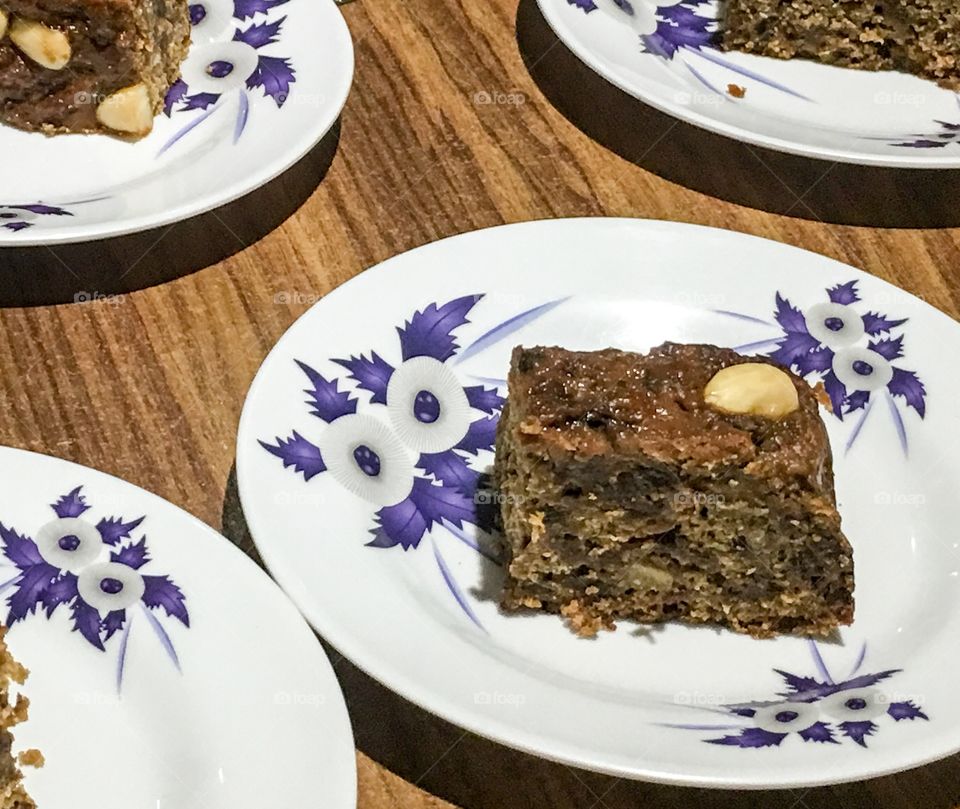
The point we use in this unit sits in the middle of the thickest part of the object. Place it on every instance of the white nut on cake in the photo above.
(127, 110)
(46, 46)
(4, 19)
(752, 388)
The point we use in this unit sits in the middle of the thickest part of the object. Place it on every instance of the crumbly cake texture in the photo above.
(624, 494)
(913, 36)
(89, 65)
(12, 792)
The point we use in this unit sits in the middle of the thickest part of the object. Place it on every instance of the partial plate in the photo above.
(366, 427)
(290, 68)
(850, 116)
(167, 670)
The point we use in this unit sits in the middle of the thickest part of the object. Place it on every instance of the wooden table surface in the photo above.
(453, 124)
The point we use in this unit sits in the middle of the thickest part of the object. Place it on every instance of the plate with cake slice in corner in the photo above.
(146, 661)
(125, 115)
(868, 83)
(657, 500)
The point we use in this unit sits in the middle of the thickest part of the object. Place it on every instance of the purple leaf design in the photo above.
(429, 333)
(86, 621)
(586, 5)
(328, 402)
(299, 453)
(20, 550)
(200, 101)
(793, 347)
(260, 34)
(70, 505)
(789, 317)
(29, 591)
(857, 400)
(819, 360)
(808, 686)
(480, 435)
(906, 710)
(246, 9)
(176, 93)
(858, 731)
(134, 556)
(818, 732)
(274, 75)
(15, 226)
(450, 469)
(162, 592)
(61, 591)
(751, 737)
(372, 374)
(890, 349)
(113, 623)
(844, 293)
(908, 385)
(406, 522)
(44, 210)
(438, 503)
(874, 323)
(488, 400)
(113, 529)
(837, 392)
(679, 27)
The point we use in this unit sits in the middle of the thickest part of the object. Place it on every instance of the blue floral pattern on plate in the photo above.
(61, 567)
(815, 708)
(220, 69)
(826, 343)
(430, 412)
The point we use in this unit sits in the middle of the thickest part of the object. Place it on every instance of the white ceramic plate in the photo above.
(288, 66)
(176, 676)
(392, 568)
(883, 119)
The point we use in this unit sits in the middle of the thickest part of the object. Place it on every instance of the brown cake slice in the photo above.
(12, 793)
(89, 65)
(912, 36)
(689, 483)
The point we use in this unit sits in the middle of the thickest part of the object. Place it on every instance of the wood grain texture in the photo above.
(149, 385)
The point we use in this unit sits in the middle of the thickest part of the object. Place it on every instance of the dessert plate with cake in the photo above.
(863, 82)
(126, 115)
(146, 661)
(658, 500)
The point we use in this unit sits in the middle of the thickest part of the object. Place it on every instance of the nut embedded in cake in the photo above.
(89, 66)
(690, 483)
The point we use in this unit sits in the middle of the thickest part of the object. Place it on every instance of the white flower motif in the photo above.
(428, 406)
(786, 717)
(834, 325)
(365, 456)
(862, 369)
(210, 20)
(219, 67)
(69, 543)
(855, 704)
(640, 14)
(110, 586)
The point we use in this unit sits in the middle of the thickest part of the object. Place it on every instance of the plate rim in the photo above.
(339, 93)
(214, 537)
(494, 729)
(689, 115)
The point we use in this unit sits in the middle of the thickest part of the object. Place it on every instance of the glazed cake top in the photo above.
(622, 404)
